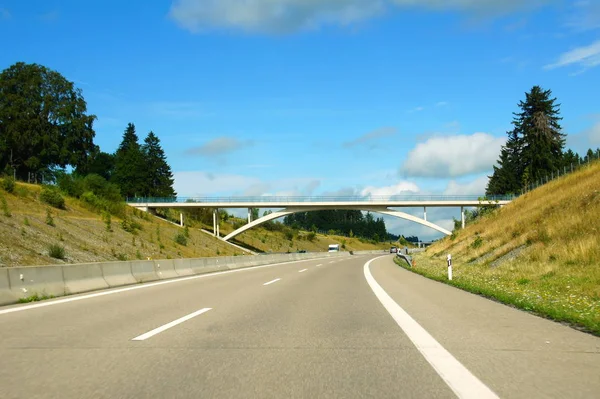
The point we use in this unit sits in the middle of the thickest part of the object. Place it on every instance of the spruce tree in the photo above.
(535, 145)
(130, 172)
(159, 175)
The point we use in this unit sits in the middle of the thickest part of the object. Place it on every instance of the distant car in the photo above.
(302, 251)
(393, 250)
(334, 248)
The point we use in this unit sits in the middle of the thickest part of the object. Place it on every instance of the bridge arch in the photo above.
(291, 210)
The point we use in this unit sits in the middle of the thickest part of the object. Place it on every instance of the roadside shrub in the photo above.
(130, 225)
(8, 184)
(107, 221)
(478, 242)
(311, 236)
(95, 203)
(5, 209)
(289, 234)
(70, 185)
(52, 197)
(49, 218)
(180, 239)
(56, 251)
(102, 188)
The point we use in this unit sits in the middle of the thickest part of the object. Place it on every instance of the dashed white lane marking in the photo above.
(302, 271)
(160, 329)
(272, 281)
(458, 377)
(319, 265)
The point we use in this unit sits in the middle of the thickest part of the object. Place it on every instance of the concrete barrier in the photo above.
(214, 265)
(6, 295)
(165, 269)
(183, 267)
(117, 274)
(22, 282)
(42, 281)
(143, 271)
(83, 277)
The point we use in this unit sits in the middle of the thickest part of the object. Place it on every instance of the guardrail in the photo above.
(309, 199)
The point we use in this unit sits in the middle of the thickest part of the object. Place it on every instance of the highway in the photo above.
(349, 327)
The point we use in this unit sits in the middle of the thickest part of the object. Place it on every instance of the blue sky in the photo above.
(313, 97)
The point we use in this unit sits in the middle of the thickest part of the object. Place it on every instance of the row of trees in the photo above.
(139, 170)
(345, 222)
(535, 146)
(45, 128)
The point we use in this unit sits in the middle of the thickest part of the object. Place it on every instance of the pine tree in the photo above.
(504, 180)
(159, 175)
(130, 172)
(570, 158)
(538, 127)
(535, 145)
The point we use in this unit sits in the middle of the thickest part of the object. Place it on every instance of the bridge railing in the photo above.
(310, 199)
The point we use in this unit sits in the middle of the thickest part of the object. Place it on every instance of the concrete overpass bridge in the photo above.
(290, 205)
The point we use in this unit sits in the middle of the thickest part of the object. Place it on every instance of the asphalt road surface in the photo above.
(355, 327)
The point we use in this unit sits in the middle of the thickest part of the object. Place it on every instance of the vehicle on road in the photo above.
(393, 250)
(334, 248)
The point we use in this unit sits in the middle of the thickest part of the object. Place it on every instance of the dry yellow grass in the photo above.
(541, 252)
(25, 236)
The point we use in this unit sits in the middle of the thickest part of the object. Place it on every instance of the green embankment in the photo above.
(541, 253)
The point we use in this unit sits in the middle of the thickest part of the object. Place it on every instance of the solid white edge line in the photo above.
(272, 281)
(302, 271)
(139, 287)
(457, 377)
(169, 325)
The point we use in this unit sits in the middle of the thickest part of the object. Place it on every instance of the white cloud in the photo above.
(268, 16)
(585, 57)
(283, 16)
(311, 187)
(475, 187)
(371, 136)
(208, 184)
(218, 146)
(402, 188)
(194, 184)
(256, 190)
(585, 16)
(593, 135)
(453, 156)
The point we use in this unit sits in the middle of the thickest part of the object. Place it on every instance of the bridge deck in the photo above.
(321, 204)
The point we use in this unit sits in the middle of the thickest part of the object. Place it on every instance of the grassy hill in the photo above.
(34, 233)
(540, 253)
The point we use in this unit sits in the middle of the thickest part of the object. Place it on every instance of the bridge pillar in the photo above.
(249, 215)
(425, 213)
(218, 224)
(181, 219)
(462, 216)
(215, 222)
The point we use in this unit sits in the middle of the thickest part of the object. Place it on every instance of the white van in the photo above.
(334, 248)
